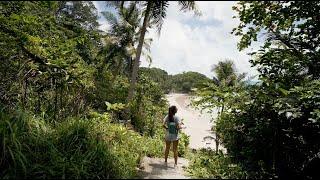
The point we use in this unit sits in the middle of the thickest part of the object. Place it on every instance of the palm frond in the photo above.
(111, 18)
(147, 56)
(118, 5)
(148, 40)
(241, 76)
(216, 81)
(131, 9)
(115, 4)
(189, 6)
(147, 44)
(158, 13)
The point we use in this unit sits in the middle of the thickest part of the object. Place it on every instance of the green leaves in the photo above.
(114, 106)
(283, 91)
(225, 91)
(207, 164)
(159, 8)
(271, 16)
(275, 122)
(38, 37)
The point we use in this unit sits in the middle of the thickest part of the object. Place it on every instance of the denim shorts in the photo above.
(172, 137)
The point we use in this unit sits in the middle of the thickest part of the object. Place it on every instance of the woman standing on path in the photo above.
(172, 125)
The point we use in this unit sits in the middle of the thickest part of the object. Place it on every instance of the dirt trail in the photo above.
(198, 127)
(154, 168)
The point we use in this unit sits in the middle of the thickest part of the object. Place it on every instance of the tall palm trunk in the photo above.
(137, 59)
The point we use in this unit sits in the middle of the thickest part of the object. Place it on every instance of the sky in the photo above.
(191, 43)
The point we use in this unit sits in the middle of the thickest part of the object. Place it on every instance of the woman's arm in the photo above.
(179, 124)
(164, 124)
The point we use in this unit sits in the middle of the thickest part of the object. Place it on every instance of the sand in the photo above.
(198, 125)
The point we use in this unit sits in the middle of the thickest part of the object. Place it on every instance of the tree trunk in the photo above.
(55, 99)
(137, 59)
(222, 108)
(61, 94)
(277, 150)
(217, 137)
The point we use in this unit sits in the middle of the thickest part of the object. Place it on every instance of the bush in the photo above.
(75, 148)
(32, 148)
(91, 147)
(207, 164)
(183, 144)
(275, 133)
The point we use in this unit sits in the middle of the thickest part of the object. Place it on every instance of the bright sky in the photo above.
(190, 43)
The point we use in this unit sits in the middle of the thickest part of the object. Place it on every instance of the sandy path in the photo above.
(154, 168)
(198, 126)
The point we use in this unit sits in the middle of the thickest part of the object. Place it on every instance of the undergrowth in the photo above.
(206, 163)
(91, 147)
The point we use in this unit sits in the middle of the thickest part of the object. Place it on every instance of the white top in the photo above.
(175, 118)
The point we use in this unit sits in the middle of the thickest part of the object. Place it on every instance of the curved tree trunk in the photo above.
(137, 59)
(217, 136)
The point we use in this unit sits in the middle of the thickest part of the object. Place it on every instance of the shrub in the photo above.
(207, 164)
(91, 147)
(183, 144)
(75, 148)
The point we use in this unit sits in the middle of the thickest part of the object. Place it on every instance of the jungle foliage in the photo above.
(63, 88)
(271, 129)
(178, 83)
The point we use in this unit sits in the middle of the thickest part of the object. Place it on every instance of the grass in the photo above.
(91, 147)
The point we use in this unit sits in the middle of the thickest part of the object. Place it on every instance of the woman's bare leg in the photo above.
(166, 153)
(175, 151)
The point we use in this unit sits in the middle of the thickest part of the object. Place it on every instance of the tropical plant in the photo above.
(273, 131)
(222, 93)
(124, 30)
(61, 91)
(187, 81)
(155, 12)
(207, 164)
(39, 64)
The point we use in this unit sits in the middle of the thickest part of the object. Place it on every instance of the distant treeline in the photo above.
(181, 83)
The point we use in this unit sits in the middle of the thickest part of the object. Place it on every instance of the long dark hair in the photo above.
(172, 111)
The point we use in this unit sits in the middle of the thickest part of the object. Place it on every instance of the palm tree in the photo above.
(226, 80)
(226, 76)
(124, 30)
(154, 14)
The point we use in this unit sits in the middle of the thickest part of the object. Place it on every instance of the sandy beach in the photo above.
(198, 125)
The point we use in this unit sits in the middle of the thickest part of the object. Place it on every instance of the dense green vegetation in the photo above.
(207, 164)
(178, 83)
(186, 81)
(75, 104)
(159, 76)
(63, 90)
(75, 148)
(271, 129)
(91, 147)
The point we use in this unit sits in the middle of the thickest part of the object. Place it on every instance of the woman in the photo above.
(172, 125)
